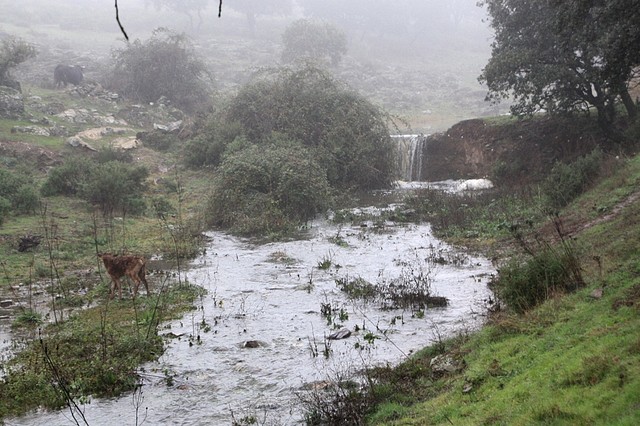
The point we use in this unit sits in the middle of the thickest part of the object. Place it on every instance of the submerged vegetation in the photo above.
(559, 337)
(96, 352)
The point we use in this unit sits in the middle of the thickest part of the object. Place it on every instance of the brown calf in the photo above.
(133, 267)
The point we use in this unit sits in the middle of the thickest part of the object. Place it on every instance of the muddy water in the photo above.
(270, 296)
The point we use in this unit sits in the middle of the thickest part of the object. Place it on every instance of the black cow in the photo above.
(65, 74)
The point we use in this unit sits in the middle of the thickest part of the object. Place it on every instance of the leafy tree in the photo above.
(165, 65)
(564, 56)
(5, 208)
(316, 40)
(268, 188)
(13, 51)
(347, 134)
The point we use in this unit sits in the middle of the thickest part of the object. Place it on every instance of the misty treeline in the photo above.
(400, 17)
(565, 57)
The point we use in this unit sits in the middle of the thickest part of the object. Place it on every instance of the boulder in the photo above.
(443, 364)
(343, 333)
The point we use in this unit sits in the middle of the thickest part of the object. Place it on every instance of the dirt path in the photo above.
(612, 214)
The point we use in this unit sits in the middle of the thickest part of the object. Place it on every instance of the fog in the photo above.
(418, 59)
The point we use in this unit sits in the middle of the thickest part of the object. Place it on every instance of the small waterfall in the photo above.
(409, 156)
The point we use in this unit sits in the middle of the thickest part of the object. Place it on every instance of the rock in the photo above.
(76, 142)
(172, 335)
(125, 143)
(251, 344)
(32, 130)
(596, 294)
(11, 103)
(443, 364)
(343, 333)
(6, 303)
(168, 128)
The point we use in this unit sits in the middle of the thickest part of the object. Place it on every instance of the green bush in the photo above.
(346, 133)
(159, 140)
(524, 284)
(106, 154)
(17, 193)
(208, 147)
(26, 200)
(268, 188)
(314, 40)
(111, 185)
(116, 187)
(5, 209)
(165, 65)
(9, 183)
(68, 178)
(567, 181)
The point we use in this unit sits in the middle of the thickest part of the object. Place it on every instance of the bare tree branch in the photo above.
(122, 28)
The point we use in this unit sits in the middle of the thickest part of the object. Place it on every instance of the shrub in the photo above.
(68, 178)
(165, 65)
(316, 40)
(106, 154)
(115, 186)
(13, 51)
(5, 208)
(26, 200)
(17, 193)
(347, 134)
(208, 147)
(9, 184)
(268, 188)
(548, 270)
(159, 140)
(567, 181)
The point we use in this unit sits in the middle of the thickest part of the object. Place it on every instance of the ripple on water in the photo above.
(272, 294)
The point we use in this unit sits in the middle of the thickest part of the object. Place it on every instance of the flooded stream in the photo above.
(259, 336)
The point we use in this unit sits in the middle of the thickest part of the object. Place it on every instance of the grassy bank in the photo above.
(572, 359)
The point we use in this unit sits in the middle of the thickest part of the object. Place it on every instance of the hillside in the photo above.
(574, 359)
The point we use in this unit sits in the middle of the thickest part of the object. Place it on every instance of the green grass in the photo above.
(575, 359)
(95, 352)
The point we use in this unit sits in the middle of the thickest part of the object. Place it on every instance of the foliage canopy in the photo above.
(113, 186)
(165, 65)
(268, 187)
(564, 56)
(13, 51)
(347, 134)
(313, 40)
(283, 143)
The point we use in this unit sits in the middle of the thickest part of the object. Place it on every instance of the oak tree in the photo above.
(564, 56)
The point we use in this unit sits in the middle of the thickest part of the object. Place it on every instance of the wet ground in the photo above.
(260, 335)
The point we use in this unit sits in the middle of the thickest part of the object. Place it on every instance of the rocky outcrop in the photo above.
(11, 103)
